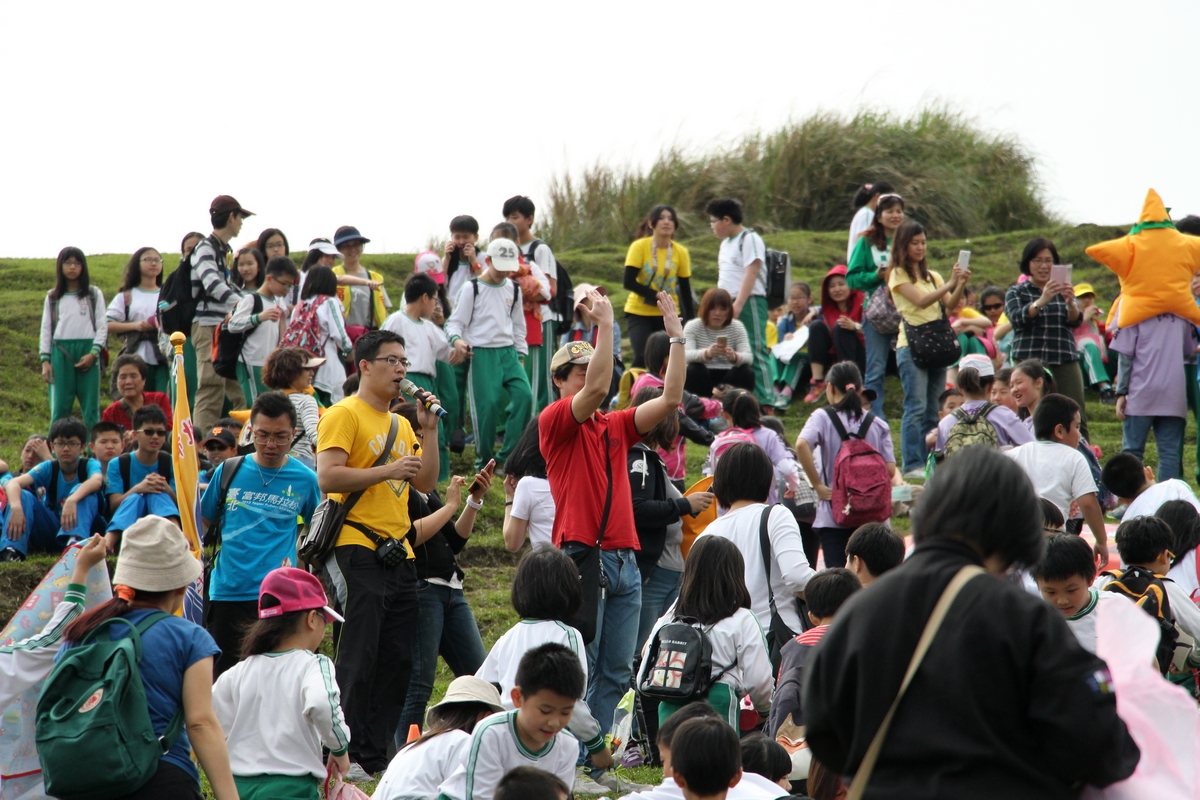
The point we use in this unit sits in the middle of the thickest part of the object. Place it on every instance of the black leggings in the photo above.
(701, 380)
(639, 328)
(169, 783)
(827, 347)
(833, 542)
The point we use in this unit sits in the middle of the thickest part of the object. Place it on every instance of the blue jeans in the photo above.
(136, 506)
(878, 347)
(922, 387)
(610, 655)
(43, 531)
(445, 626)
(659, 591)
(1168, 436)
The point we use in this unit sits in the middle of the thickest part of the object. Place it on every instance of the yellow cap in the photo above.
(1084, 288)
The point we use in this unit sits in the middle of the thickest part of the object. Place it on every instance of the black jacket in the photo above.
(653, 511)
(1006, 703)
(435, 556)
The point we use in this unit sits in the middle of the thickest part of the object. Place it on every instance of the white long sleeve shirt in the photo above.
(30, 660)
(500, 667)
(277, 709)
(750, 787)
(78, 318)
(418, 770)
(491, 318)
(858, 226)
(790, 570)
(425, 344)
(738, 648)
(496, 749)
(264, 334)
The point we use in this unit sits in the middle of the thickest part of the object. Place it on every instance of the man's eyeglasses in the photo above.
(393, 361)
(261, 437)
(284, 284)
(71, 444)
(154, 431)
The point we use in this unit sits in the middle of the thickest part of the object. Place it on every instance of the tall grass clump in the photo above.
(957, 179)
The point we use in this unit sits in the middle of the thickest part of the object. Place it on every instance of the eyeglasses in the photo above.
(275, 246)
(261, 437)
(154, 431)
(993, 306)
(394, 361)
(284, 284)
(72, 444)
(151, 260)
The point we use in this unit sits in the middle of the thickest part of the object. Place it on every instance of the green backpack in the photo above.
(971, 429)
(94, 735)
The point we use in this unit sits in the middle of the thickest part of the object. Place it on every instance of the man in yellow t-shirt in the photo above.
(374, 648)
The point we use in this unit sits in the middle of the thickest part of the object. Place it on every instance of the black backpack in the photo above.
(777, 266)
(229, 344)
(678, 665)
(563, 302)
(125, 464)
(1149, 593)
(176, 306)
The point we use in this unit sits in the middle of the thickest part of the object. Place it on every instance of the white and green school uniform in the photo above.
(416, 772)
(1083, 624)
(262, 337)
(142, 305)
(28, 661)
(537, 365)
(489, 317)
(425, 345)
(80, 328)
(740, 651)
(496, 748)
(736, 253)
(277, 710)
(500, 668)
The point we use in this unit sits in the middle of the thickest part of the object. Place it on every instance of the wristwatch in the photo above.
(677, 340)
(473, 504)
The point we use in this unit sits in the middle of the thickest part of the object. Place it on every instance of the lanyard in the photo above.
(654, 256)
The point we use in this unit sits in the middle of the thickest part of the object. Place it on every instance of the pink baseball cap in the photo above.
(294, 590)
(430, 263)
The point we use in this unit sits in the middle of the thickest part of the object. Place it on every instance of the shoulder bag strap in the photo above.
(379, 462)
(125, 466)
(230, 468)
(764, 545)
(859, 785)
(608, 494)
(52, 488)
(175, 726)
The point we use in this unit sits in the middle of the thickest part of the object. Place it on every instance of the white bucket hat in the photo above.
(155, 557)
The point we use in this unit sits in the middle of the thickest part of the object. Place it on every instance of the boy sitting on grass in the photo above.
(106, 443)
(549, 682)
(1065, 576)
(708, 759)
(1133, 484)
(1058, 471)
(872, 550)
(142, 482)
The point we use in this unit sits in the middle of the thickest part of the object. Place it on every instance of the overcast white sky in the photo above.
(123, 120)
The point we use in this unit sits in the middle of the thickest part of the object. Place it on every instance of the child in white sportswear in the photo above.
(282, 703)
(1065, 576)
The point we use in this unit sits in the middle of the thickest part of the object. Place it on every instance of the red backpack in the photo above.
(862, 490)
(304, 330)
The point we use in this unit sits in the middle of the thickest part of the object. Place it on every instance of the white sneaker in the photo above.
(586, 786)
(917, 473)
(357, 774)
(617, 784)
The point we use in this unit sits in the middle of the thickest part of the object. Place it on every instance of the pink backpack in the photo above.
(726, 439)
(304, 330)
(862, 491)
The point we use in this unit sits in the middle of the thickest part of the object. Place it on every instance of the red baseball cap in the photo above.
(293, 590)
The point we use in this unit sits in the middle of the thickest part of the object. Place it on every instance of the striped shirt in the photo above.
(215, 295)
(700, 337)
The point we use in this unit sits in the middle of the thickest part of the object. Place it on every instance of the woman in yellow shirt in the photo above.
(920, 296)
(364, 306)
(655, 263)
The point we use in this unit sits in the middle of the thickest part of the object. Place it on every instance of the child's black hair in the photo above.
(1124, 475)
(419, 285)
(766, 757)
(526, 458)
(744, 472)
(279, 266)
(1066, 556)
(990, 291)
(451, 717)
(971, 382)
(878, 546)
(235, 276)
(1140, 540)
(504, 230)
(149, 413)
(658, 348)
(550, 666)
(946, 395)
(60, 280)
(1185, 524)
(104, 426)
(1036, 371)
(666, 431)
(713, 586)
(847, 378)
(986, 502)
(547, 586)
(313, 255)
(519, 203)
(265, 635)
(132, 277)
(743, 408)
(1189, 225)
(723, 207)
(804, 288)
(464, 223)
(69, 428)
(1052, 516)
(828, 589)
(1053, 410)
(698, 709)
(531, 783)
(320, 281)
(707, 755)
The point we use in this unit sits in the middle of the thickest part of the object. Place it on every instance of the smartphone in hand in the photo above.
(1062, 273)
(489, 469)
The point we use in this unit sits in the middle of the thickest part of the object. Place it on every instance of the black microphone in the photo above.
(410, 388)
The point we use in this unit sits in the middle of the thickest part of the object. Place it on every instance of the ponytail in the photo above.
(743, 408)
(969, 381)
(119, 606)
(846, 377)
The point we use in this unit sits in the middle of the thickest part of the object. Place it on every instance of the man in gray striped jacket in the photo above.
(215, 298)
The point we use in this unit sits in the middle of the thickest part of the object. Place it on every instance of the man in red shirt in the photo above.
(585, 465)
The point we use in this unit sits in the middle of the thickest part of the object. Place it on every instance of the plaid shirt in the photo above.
(1046, 337)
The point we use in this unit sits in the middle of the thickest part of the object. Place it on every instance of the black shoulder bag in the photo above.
(778, 634)
(591, 572)
(212, 538)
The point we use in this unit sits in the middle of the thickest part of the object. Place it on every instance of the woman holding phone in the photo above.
(1044, 315)
(717, 347)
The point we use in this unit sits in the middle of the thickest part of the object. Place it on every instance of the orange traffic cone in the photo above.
(414, 733)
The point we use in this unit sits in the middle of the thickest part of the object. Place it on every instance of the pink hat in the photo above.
(430, 263)
(294, 590)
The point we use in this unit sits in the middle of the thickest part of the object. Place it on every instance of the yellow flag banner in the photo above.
(187, 479)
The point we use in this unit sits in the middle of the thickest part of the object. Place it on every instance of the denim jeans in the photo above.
(42, 527)
(1168, 437)
(659, 591)
(445, 626)
(922, 387)
(610, 655)
(878, 348)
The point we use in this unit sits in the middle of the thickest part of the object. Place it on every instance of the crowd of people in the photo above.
(753, 674)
